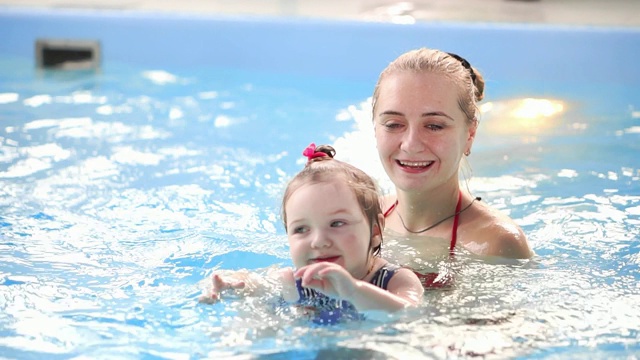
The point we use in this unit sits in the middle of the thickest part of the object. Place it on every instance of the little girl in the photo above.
(334, 225)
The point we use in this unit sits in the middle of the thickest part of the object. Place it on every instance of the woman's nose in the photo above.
(412, 141)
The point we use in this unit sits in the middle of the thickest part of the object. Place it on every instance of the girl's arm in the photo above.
(404, 289)
(243, 282)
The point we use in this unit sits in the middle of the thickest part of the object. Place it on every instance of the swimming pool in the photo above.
(121, 189)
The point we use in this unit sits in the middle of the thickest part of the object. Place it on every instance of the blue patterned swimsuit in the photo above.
(329, 311)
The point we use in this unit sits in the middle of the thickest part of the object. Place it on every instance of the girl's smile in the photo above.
(332, 259)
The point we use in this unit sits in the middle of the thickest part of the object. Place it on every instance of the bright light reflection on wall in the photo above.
(527, 116)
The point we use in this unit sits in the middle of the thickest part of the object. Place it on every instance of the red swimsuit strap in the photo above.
(389, 210)
(456, 220)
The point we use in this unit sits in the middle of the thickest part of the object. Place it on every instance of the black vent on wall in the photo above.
(67, 54)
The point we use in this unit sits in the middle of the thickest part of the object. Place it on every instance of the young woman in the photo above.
(334, 223)
(425, 119)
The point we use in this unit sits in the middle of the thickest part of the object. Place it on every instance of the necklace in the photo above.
(440, 221)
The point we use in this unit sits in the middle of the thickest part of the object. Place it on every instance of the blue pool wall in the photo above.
(345, 49)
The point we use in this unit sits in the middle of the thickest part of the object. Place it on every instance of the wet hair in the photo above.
(326, 169)
(469, 81)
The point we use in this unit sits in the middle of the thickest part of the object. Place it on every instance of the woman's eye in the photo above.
(337, 223)
(434, 127)
(393, 126)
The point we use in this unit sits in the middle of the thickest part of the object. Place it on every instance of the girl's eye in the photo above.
(300, 230)
(434, 127)
(337, 223)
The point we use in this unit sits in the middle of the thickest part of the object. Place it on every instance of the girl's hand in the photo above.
(289, 290)
(328, 278)
(220, 284)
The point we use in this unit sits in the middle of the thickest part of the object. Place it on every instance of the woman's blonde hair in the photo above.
(469, 81)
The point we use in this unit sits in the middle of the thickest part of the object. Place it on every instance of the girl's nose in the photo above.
(320, 240)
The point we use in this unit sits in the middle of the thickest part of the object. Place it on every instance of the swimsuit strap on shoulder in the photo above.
(383, 275)
(389, 210)
(456, 220)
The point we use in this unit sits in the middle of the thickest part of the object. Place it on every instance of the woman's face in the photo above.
(421, 132)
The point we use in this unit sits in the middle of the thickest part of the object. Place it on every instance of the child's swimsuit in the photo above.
(328, 311)
(434, 279)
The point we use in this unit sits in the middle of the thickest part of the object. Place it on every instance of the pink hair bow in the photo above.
(311, 153)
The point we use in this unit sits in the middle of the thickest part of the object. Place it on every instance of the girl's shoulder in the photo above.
(406, 283)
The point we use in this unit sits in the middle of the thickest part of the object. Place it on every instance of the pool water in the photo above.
(121, 190)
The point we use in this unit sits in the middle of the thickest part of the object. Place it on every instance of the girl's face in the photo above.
(325, 223)
(421, 133)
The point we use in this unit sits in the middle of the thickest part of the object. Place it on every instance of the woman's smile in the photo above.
(417, 166)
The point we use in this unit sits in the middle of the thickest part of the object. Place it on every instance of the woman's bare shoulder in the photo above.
(491, 232)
